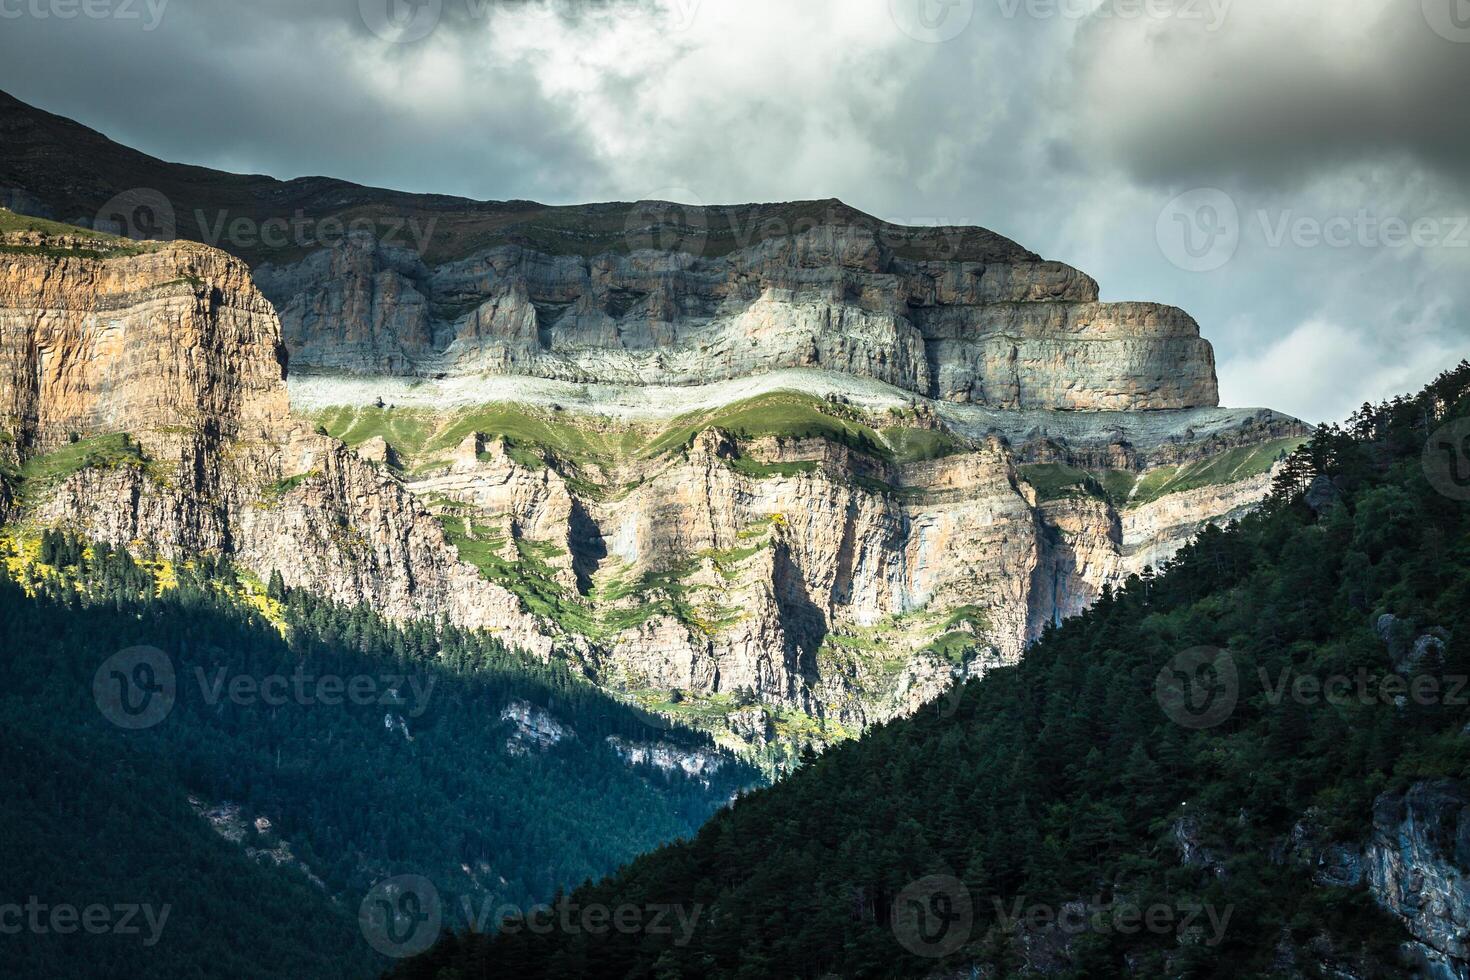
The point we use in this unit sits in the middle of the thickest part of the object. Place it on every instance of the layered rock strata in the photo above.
(1008, 330)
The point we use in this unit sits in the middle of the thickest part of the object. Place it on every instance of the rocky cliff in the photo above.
(1416, 865)
(1001, 328)
(783, 558)
(101, 335)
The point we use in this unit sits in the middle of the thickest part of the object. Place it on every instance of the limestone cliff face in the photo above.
(829, 574)
(844, 588)
(1004, 329)
(171, 337)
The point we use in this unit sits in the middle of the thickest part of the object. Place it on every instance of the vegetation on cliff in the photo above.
(1082, 774)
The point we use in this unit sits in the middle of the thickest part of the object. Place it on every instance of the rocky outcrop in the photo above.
(257, 838)
(1418, 868)
(668, 758)
(95, 337)
(374, 281)
(533, 729)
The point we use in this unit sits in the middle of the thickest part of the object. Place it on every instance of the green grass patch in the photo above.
(1054, 481)
(534, 438)
(279, 488)
(916, 445)
(953, 646)
(746, 466)
(1228, 467)
(786, 414)
(971, 616)
(99, 245)
(95, 452)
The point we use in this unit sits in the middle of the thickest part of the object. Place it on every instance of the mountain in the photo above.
(778, 471)
(644, 293)
(1252, 764)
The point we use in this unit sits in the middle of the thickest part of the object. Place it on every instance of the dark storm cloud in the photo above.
(1278, 91)
(295, 88)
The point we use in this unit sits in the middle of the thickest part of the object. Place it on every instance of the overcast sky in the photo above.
(1295, 173)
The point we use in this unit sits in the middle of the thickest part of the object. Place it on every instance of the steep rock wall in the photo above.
(168, 337)
(1012, 332)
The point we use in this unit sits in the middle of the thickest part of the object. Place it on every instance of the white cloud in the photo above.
(1322, 372)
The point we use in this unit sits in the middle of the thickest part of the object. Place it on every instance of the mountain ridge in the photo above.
(377, 282)
(987, 448)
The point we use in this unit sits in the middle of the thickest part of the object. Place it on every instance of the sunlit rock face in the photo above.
(784, 554)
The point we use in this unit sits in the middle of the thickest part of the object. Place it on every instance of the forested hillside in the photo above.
(1203, 772)
(247, 764)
